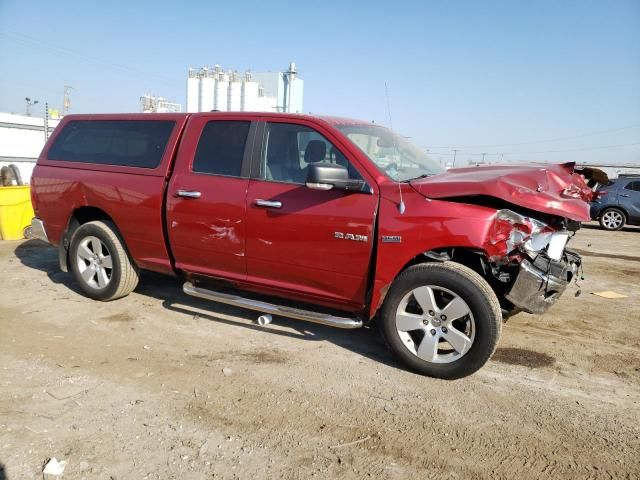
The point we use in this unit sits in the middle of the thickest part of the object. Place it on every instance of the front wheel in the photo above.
(100, 262)
(442, 320)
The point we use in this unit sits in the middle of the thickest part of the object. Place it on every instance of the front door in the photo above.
(206, 205)
(307, 244)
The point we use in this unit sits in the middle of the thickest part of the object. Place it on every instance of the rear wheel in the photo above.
(100, 262)
(612, 219)
(442, 320)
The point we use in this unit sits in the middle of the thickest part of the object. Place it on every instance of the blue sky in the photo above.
(537, 80)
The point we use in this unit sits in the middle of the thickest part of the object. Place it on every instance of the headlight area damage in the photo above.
(528, 259)
(538, 208)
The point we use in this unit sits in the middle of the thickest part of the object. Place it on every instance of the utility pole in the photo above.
(66, 101)
(46, 121)
(30, 103)
(455, 152)
(483, 157)
(290, 76)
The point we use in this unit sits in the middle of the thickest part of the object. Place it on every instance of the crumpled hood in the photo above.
(554, 189)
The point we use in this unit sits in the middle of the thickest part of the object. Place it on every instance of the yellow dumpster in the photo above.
(16, 211)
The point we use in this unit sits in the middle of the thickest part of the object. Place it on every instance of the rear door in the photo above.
(629, 199)
(206, 199)
(306, 244)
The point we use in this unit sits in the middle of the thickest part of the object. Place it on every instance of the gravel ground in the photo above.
(161, 385)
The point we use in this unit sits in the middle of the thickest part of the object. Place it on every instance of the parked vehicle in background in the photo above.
(618, 203)
(343, 217)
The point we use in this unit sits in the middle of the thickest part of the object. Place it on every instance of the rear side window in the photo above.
(128, 143)
(221, 148)
(633, 186)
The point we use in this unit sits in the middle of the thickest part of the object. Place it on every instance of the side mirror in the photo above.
(325, 176)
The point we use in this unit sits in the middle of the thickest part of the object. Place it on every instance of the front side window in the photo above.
(221, 148)
(393, 154)
(290, 148)
(128, 143)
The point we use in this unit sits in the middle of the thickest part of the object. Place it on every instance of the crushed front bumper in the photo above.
(542, 281)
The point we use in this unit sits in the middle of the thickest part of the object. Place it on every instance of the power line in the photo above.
(36, 43)
(599, 147)
(558, 139)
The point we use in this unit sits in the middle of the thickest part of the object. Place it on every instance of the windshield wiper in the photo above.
(424, 175)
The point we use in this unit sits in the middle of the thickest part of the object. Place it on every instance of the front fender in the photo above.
(426, 224)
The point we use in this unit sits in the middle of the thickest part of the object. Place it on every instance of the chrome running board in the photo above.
(297, 313)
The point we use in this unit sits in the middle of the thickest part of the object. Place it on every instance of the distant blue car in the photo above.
(618, 204)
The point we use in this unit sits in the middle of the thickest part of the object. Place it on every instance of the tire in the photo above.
(612, 219)
(474, 325)
(100, 263)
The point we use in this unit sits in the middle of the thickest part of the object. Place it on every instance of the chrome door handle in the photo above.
(187, 194)
(624, 195)
(268, 203)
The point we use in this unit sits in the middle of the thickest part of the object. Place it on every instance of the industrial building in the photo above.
(227, 91)
(153, 104)
(21, 140)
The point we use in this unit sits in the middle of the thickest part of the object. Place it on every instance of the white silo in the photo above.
(235, 93)
(249, 100)
(220, 92)
(193, 91)
(207, 87)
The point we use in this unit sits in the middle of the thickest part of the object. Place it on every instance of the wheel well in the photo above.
(79, 217)
(473, 258)
(88, 214)
(469, 257)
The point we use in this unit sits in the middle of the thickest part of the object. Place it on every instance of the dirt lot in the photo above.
(136, 388)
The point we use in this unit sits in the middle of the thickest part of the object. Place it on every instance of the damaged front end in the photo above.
(528, 260)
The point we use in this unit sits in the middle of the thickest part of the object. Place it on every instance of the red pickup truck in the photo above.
(329, 220)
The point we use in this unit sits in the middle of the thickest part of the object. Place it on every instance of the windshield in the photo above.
(393, 154)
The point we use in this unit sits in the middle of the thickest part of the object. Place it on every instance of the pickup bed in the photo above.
(324, 219)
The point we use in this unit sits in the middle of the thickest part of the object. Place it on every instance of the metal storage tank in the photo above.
(249, 96)
(249, 99)
(193, 91)
(220, 93)
(207, 87)
(267, 104)
(235, 94)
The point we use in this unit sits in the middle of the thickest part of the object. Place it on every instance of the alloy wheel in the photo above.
(94, 262)
(612, 219)
(435, 324)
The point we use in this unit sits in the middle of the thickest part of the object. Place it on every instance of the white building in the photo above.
(21, 141)
(216, 89)
(153, 104)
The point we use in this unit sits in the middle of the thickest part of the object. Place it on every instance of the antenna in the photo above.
(401, 205)
(386, 93)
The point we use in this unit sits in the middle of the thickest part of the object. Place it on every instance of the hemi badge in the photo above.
(391, 239)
